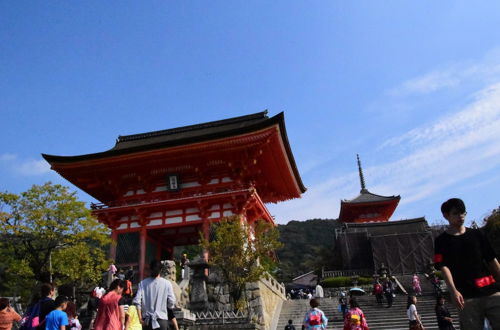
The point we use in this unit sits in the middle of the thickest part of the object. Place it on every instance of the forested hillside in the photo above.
(308, 246)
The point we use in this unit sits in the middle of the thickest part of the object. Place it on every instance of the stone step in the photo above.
(378, 317)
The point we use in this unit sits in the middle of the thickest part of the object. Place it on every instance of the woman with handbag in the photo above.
(413, 317)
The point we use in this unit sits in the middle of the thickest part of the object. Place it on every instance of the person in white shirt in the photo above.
(154, 296)
(414, 319)
(319, 293)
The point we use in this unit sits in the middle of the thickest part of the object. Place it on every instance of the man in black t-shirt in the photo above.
(469, 267)
(47, 303)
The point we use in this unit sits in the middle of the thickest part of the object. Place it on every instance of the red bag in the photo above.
(315, 319)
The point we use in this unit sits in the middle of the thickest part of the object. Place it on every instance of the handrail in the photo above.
(337, 273)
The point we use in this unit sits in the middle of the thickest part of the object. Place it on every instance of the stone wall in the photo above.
(265, 298)
(268, 296)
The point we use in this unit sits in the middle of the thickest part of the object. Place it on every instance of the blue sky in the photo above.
(412, 86)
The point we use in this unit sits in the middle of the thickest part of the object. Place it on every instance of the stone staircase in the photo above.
(296, 309)
(378, 317)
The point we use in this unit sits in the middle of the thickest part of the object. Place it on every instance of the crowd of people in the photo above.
(116, 308)
(469, 267)
(465, 258)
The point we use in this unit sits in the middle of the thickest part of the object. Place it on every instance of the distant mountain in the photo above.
(308, 246)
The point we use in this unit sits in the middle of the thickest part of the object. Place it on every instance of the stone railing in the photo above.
(221, 317)
(337, 273)
(273, 285)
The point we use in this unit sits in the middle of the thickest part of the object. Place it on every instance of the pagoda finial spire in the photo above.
(361, 177)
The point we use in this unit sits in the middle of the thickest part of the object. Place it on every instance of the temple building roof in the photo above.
(254, 148)
(367, 197)
(178, 136)
(367, 207)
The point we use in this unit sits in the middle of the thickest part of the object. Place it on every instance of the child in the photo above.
(73, 322)
(315, 319)
(469, 267)
(57, 319)
(132, 321)
(290, 325)
(416, 285)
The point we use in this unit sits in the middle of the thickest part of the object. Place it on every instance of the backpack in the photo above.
(31, 319)
(378, 289)
(315, 319)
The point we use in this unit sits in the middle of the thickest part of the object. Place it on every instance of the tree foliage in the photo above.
(307, 246)
(240, 253)
(48, 222)
(492, 229)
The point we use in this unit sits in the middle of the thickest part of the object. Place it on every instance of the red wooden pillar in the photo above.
(114, 243)
(142, 249)
(206, 229)
(206, 234)
(158, 251)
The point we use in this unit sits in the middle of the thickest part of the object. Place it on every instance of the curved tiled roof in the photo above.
(367, 197)
(186, 135)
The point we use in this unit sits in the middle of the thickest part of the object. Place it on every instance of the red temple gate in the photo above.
(158, 190)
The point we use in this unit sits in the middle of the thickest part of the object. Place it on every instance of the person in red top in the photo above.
(7, 315)
(110, 316)
(378, 291)
(469, 267)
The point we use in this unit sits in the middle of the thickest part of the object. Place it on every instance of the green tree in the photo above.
(46, 230)
(492, 229)
(240, 255)
(307, 246)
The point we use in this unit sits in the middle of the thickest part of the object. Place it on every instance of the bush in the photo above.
(343, 281)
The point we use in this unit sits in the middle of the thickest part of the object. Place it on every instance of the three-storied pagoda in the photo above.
(158, 190)
(367, 207)
(365, 238)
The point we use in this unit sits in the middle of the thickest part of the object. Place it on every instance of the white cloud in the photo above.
(483, 112)
(428, 83)
(33, 167)
(7, 157)
(460, 144)
(484, 71)
(25, 167)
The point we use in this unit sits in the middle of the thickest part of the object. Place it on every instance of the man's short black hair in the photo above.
(61, 300)
(155, 267)
(46, 288)
(453, 203)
